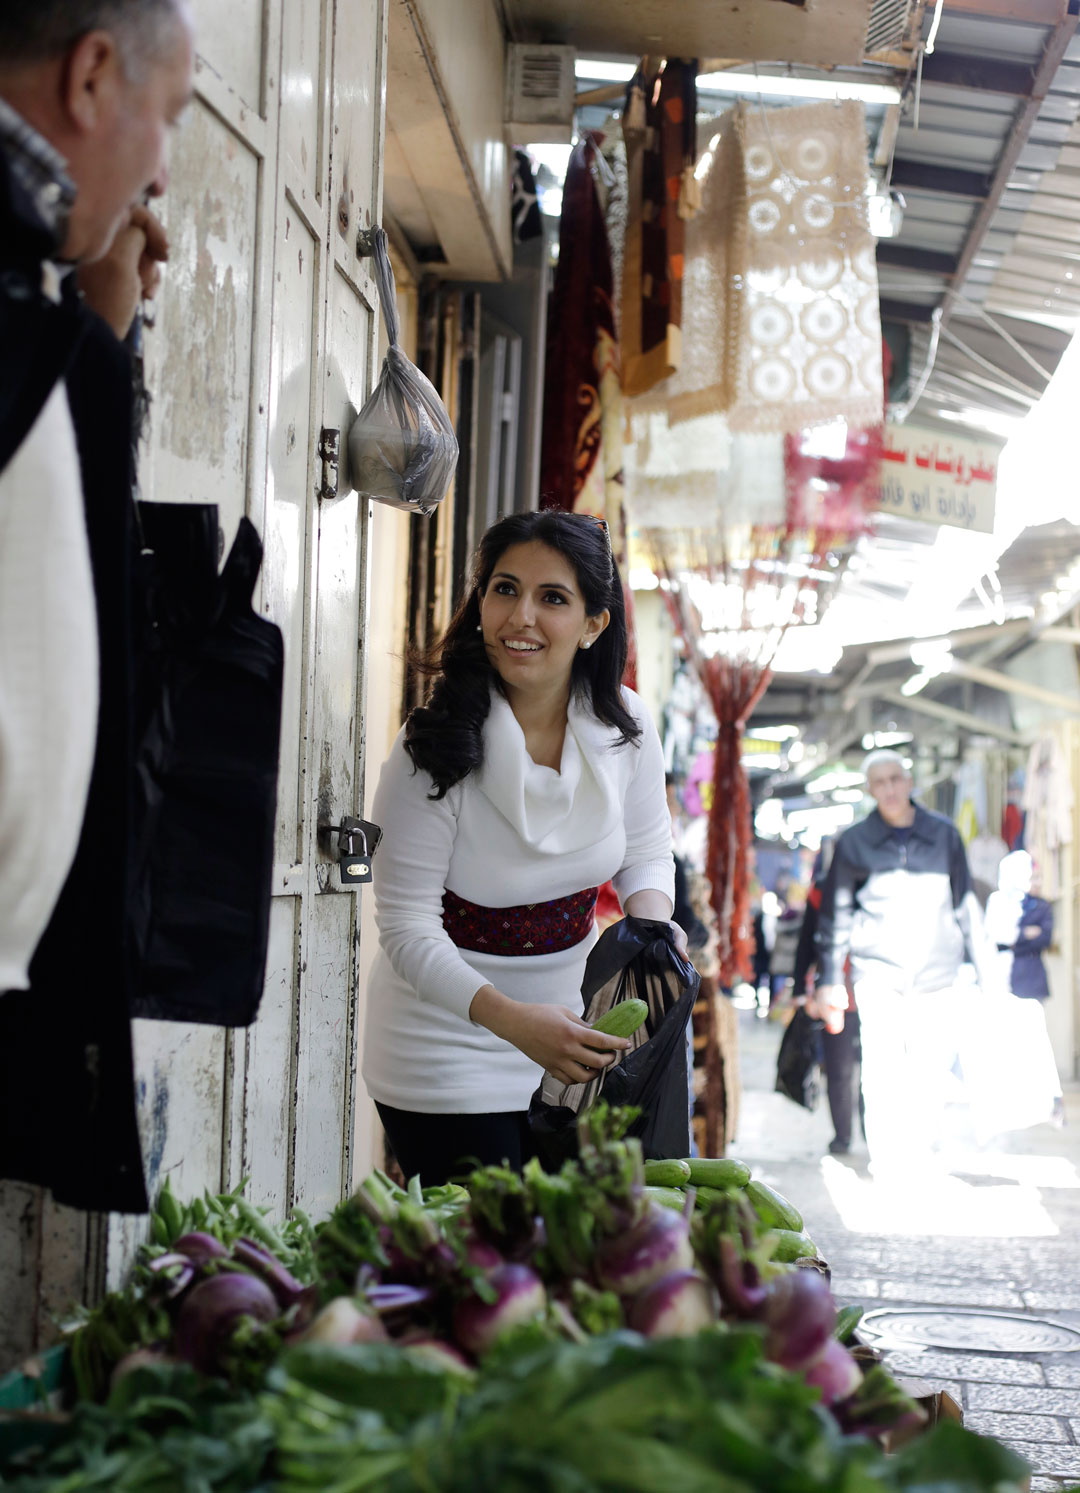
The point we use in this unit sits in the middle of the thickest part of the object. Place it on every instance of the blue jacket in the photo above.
(1028, 971)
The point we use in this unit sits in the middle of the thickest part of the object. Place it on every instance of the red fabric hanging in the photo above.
(734, 685)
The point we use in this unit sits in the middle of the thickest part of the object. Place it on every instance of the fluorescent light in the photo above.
(604, 72)
(824, 88)
(594, 71)
(916, 683)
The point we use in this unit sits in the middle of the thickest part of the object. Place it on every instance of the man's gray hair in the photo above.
(36, 30)
(880, 755)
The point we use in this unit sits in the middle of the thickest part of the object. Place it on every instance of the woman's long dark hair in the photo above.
(445, 736)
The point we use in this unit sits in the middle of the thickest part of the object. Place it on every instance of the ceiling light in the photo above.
(916, 683)
(604, 72)
(822, 88)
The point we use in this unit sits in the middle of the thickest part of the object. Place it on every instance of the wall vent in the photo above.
(540, 90)
(887, 27)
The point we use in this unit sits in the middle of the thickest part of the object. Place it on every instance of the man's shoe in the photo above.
(838, 1147)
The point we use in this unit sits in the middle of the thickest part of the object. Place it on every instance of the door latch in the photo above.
(357, 840)
(329, 455)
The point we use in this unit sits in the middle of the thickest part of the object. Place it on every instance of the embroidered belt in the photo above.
(511, 932)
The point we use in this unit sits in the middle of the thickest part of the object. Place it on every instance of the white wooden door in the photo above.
(265, 334)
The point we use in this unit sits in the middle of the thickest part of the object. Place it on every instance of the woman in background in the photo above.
(1021, 926)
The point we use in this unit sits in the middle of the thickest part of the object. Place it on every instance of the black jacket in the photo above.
(67, 1089)
(901, 907)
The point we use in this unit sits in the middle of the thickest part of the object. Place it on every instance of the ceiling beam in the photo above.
(1057, 45)
(993, 679)
(908, 311)
(907, 257)
(950, 181)
(987, 74)
(954, 717)
(1035, 12)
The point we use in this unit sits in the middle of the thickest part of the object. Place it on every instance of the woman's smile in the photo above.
(533, 618)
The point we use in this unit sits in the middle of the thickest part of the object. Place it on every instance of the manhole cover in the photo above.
(985, 1331)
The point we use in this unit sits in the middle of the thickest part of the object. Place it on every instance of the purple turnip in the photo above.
(519, 1298)
(200, 1248)
(676, 1305)
(393, 1300)
(139, 1358)
(653, 1247)
(738, 1279)
(286, 1288)
(835, 1373)
(213, 1310)
(482, 1256)
(341, 1322)
(175, 1271)
(800, 1314)
(437, 1354)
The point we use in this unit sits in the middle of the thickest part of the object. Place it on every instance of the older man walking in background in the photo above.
(898, 902)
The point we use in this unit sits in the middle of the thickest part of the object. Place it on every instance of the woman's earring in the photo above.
(479, 627)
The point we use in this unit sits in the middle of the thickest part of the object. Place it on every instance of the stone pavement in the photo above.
(1003, 1232)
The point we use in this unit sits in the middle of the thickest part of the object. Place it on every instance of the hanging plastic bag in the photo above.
(798, 1064)
(634, 958)
(402, 447)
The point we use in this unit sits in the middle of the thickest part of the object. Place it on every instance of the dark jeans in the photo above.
(841, 1055)
(442, 1147)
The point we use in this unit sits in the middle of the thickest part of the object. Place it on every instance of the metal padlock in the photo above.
(354, 865)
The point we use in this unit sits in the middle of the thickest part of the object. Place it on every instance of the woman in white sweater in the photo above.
(528, 780)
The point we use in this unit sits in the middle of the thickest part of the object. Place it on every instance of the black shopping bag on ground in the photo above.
(798, 1063)
(634, 958)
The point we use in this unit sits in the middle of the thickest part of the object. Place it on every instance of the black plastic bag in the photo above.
(798, 1063)
(402, 447)
(208, 727)
(633, 958)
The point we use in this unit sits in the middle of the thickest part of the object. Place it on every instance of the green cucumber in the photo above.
(667, 1173)
(667, 1197)
(708, 1195)
(773, 1208)
(622, 1020)
(793, 1245)
(847, 1319)
(717, 1171)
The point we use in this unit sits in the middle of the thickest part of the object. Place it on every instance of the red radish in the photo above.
(262, 1263)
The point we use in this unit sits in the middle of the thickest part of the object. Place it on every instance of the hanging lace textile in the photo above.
(780, 311)
(659, 127)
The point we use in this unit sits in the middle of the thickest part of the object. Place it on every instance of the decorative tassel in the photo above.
(689, 203)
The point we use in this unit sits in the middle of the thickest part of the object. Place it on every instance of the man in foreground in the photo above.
(89, 90)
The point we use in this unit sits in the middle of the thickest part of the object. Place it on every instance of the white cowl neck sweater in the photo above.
(512, 833)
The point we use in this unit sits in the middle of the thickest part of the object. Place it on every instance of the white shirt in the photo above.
(510, 834)
(48, 680)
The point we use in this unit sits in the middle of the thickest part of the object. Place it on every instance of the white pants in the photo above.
(909, 1044)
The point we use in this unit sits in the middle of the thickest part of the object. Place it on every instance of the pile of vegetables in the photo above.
(616, 1325)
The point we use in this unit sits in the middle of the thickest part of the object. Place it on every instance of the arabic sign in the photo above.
(940, 479)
